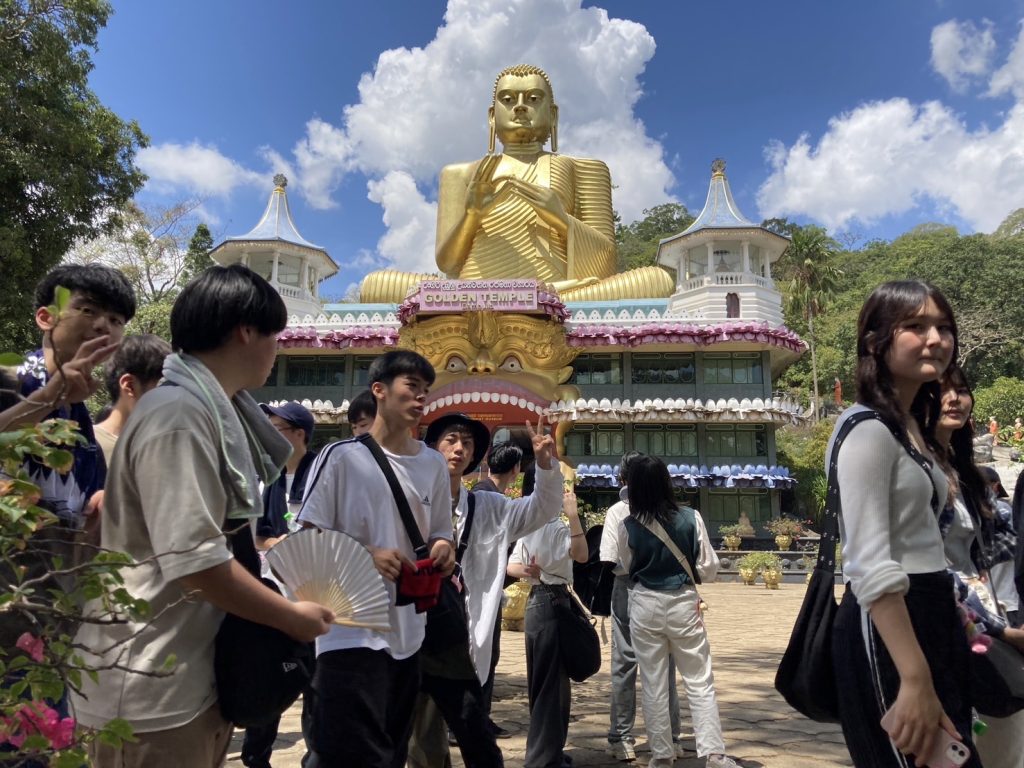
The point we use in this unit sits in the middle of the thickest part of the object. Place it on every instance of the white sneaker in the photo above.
(622, 750)
(722, 761)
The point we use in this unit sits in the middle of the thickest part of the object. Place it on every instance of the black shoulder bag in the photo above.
(447, 622)
(260, 671)
(805, 677)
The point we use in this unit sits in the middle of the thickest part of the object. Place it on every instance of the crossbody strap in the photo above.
(464, 538)
(658, 530)
(830, 517)
(404, 511)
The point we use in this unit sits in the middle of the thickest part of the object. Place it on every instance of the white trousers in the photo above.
(664, 624)
(1002, 745)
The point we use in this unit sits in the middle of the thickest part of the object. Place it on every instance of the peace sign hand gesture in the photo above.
(543, 444)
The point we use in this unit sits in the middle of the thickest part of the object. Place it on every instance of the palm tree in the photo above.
(812, 281)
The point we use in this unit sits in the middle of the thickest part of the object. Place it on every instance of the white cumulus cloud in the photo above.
(422, 108)
(195, 167)
(961, 51)
(408, 244)
(1009, 78)
(889, 156)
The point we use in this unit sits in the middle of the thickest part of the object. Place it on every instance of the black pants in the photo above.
(258, 743)
(362, 711)
(867, 677)
(546, 679)
(461, 703)
(495, 655)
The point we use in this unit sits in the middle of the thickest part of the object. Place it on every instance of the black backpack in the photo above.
(593, 580)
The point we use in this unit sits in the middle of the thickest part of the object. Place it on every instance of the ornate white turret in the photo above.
(723, 261)
(275, 249)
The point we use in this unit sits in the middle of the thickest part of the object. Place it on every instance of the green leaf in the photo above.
(11, 359)
(61, 298)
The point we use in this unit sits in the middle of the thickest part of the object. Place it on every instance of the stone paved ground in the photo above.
(748, 626)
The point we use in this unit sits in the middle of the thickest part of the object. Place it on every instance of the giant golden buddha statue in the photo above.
(527, 213)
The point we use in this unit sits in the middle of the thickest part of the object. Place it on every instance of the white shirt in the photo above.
(707, 564)
(548, 548)
(612, 532)
(886, 523)
(346, 491)
(497, 521)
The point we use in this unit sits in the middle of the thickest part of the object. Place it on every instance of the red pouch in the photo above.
(419, 586)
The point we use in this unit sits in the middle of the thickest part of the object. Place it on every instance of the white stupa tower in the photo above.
(275, 249)
(723, 261)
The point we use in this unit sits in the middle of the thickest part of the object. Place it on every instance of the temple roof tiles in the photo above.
(276, 223)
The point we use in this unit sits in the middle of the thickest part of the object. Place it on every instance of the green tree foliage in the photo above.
(809, 275)
(637, 243)
(979, 274)
(802, 449)
(1003, 399)
(197, 257)
(65, 159)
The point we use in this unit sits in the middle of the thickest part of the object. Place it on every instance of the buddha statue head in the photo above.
(524, 109)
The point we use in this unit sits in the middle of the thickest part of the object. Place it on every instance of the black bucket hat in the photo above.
(481, 435)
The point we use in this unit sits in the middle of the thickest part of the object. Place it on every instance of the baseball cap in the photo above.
(294, 413)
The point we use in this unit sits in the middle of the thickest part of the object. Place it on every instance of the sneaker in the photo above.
(622, 750)
(722, 761)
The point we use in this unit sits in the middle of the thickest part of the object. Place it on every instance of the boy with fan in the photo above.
(187, 466)
(366, 680)
(489, 523)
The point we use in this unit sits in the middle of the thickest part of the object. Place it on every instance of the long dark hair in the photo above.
(959, 454)
(888, 305)
(649, 486)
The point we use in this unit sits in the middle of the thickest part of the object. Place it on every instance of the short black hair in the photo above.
(220, 300)
(504, 457)
(142, 356)
(400, 362)
(106, 286)
(363, 404)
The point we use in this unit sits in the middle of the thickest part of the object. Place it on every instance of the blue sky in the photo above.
(867, 117)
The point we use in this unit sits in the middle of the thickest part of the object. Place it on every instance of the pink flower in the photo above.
(38, 717)
(31, 645)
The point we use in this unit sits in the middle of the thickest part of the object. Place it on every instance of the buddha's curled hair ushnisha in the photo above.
(522, 70)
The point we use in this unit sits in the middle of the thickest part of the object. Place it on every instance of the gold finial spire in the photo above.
(280, 181)
(718, 167)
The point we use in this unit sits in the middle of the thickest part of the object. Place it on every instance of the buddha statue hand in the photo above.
(483, 192)
(545, 201)
(568, 285)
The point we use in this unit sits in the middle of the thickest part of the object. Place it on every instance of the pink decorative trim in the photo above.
(682, 333)
(358, 338)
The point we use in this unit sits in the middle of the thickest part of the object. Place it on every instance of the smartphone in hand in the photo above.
(947, 752)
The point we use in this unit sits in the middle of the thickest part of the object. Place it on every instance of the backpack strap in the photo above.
(404, 511)
(658, 530)
(464, 538)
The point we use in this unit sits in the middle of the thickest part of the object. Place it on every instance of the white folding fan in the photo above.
(335, 570)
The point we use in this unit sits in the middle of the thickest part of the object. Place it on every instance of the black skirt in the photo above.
(868, 681)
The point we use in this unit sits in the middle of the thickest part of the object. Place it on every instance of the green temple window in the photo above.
(272, 378)
(328, 433)
(315, 372)
(665, 368)
(596, 440)
(597, 369)
(726, 504)
(732, 368)
(665, 440)
(361, 374)
(742, 440)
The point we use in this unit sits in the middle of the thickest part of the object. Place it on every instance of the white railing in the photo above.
(727, 278)
(292, 293)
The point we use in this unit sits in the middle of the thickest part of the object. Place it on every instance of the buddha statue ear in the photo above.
(554, 128)
(490, 130)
